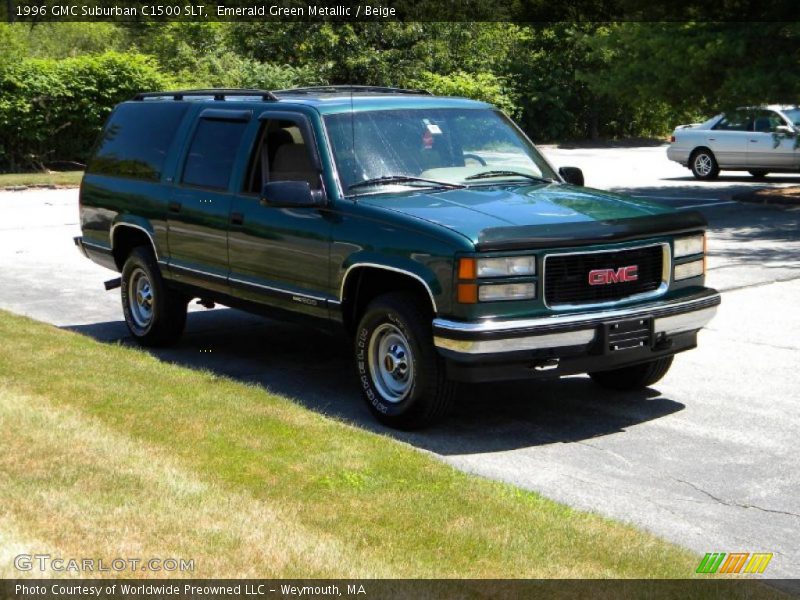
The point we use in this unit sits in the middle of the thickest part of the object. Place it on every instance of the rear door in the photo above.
(766, 147)
(197, 221)
(728, 139)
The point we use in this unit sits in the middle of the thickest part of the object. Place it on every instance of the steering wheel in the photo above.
(475, 157)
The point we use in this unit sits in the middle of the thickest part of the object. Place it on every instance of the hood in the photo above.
(500, 217)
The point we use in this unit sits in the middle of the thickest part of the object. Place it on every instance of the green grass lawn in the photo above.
(107, 451)
(60, 178)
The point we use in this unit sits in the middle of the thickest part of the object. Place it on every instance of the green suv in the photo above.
(429, 229)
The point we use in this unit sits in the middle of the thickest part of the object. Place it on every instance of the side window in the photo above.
(281, 153)
(136, 139)
(766, 121)
(212, 153)
(736, 121)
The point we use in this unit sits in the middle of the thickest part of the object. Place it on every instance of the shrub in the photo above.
(228, 70)
(478, 86)
(54, 110)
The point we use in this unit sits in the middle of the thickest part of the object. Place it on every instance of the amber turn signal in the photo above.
(467, 268)
(467, 293)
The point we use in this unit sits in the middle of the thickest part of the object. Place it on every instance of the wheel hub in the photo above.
(391, 363)
(703, 164)
(140, 298)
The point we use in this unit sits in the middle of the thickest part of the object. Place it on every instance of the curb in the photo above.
(37, 186)
(766, 196)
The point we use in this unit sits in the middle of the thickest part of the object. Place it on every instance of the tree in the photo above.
(699, 67)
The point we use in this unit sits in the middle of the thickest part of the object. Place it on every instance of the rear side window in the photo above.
(212, 153)
(736, 121)
(136, 140)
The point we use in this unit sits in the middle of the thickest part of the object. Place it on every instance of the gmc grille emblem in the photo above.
(609, 276)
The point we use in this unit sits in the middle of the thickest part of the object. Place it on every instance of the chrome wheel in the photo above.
(140, 298)
(703, 164)
(391, 363)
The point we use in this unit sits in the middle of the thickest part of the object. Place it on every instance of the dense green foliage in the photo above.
(699, 66)
(53, 110)
(559, 80)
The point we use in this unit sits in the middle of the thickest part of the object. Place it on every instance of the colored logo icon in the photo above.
(735, 562)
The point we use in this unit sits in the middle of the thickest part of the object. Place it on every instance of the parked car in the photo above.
(760, 140)
(429, 229)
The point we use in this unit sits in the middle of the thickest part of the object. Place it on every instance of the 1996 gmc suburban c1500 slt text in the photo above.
(430, 228)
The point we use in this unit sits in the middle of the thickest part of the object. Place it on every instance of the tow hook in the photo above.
(663, 342)
(113, 284)
(545, 365)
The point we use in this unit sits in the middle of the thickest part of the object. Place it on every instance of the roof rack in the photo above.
(351, 89)
(217, 94)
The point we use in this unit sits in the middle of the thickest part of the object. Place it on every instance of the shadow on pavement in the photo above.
(741, 178)
(314, 369)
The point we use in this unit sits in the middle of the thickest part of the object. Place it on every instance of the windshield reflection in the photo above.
(380, 150)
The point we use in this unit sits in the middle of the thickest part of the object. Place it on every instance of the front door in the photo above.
(767, 148)
(197, 221)
(279, 256)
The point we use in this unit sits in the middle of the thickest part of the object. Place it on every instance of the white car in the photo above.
(756, 139)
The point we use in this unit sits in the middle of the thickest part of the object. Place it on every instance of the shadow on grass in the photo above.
(314, 369)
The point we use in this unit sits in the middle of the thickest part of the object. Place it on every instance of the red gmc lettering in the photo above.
(608, 276)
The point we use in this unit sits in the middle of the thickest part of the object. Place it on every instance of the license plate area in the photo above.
(628, 334)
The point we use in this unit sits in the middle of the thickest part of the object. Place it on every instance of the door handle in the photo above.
(175, 207)
(712, 139)
(754, 141)
(237, 218)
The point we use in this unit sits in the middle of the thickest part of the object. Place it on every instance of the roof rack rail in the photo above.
(217, 94)
(336, 89)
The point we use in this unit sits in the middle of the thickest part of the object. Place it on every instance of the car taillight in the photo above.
(671, 139)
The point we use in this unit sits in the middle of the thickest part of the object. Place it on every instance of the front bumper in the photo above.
(572, 343)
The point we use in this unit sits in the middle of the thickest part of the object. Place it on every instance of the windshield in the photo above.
(378, 150)
(794, 115)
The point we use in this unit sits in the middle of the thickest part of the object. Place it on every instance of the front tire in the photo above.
(635, 377)
(403, 379)
(154, 314)
(704, 165)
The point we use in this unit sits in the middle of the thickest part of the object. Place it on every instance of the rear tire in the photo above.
(635, 377)
(759, 174)
(704, 165)
(403, 379)
(154, 314)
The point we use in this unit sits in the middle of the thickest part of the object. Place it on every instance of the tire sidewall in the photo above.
(139, 259)
(375, 316)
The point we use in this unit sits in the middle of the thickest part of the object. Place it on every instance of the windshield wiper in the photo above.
(389, 179)
(503, 173)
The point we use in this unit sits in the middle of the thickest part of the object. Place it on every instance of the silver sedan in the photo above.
(759, 140)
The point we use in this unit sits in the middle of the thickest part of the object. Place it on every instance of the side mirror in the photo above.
(291, 194)
(571, 175)
(785, 129)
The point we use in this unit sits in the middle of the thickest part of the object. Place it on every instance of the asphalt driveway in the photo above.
(708, 458)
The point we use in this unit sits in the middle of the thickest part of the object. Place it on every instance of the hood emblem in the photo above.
(609, 276)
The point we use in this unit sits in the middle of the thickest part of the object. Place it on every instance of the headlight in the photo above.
(470, 270)
(506, 266)
(506, 291)
(687, 246)
(692, 269)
